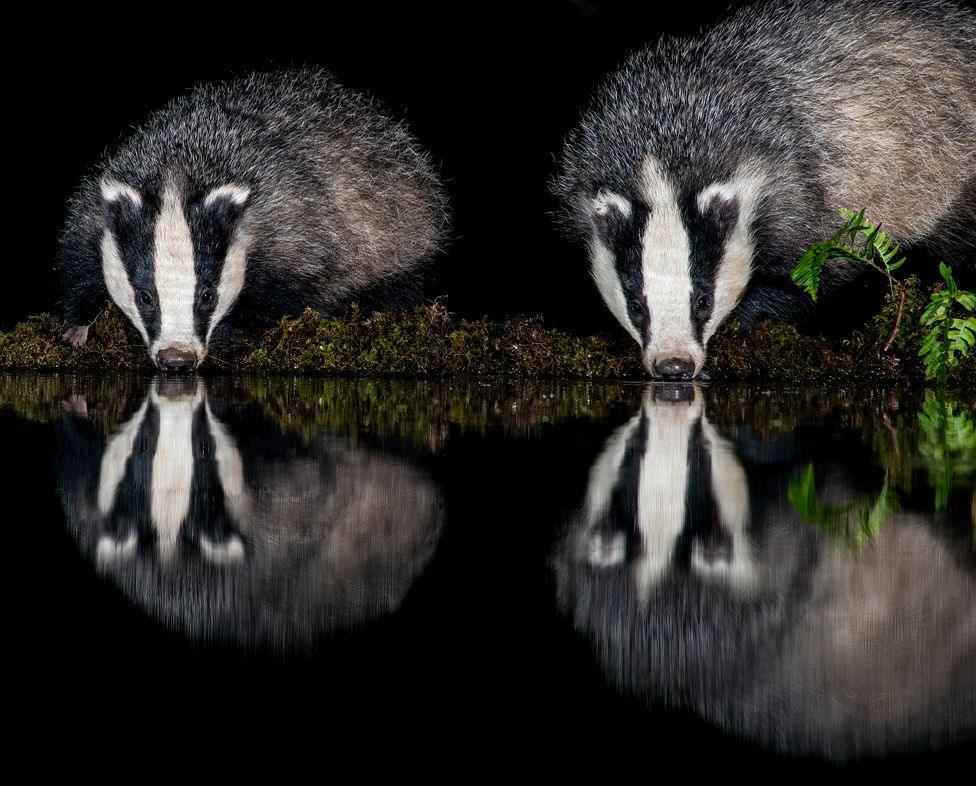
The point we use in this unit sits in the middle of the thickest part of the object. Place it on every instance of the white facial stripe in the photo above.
(113, 190)
(236, 194)
(117, 283)
(114, 459)
(666, 255)
(604, 474)
(175, 277)
(735, 267)
(663, 485)
(231, 280)
(731, 492)
(603, 264)
(230, 471)
(604, 271)
(232, 274)
(172, 466)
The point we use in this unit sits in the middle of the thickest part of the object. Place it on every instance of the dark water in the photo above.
(530, 572)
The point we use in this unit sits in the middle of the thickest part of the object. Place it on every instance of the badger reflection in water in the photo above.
(701, 588)
(256, 536)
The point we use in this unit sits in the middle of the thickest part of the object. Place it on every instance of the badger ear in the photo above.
(606, 203)
(114, 192)
(225, 205)
(120, 202)
(720, 202)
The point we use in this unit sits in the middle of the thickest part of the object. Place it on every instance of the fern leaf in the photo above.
(806, 273)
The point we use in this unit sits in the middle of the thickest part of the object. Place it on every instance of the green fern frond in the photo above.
(951, 337)
(875, 249)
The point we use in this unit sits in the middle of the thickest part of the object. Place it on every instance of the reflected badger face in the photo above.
(171, 481)
(672, 261)
(228, 526)
(174, 263)
(668, 494)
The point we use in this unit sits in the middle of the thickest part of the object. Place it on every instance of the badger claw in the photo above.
(76, 335)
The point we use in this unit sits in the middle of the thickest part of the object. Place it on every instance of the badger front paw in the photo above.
(76, 336)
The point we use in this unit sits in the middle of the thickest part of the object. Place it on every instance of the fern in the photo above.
(947, 446)
(950, 337)
(849, 525)
(876, 249)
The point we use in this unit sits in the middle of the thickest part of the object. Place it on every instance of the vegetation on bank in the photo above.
(949, 318)
(428, 342)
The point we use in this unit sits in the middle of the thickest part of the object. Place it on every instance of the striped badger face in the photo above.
(672, 263)
(668, 496)
(171, 478)
(174, 265)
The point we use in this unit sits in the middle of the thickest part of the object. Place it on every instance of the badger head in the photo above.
(673, 261)
(174, 264)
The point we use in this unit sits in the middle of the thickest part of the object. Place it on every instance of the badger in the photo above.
(701, 588)
(704, 167)
(224, 526)
(258, 196)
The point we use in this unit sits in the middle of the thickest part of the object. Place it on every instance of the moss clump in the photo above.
(427, 342)
(36, 343)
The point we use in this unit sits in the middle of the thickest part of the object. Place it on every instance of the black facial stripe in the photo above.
(132, 227)
(212, 228)
(623, 236)
(702, 522)
(707, 236)
(208, 515)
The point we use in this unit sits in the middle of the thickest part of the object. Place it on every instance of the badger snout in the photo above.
(671, 366)
(175, 359)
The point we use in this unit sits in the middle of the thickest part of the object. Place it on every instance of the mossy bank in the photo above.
(428, 342)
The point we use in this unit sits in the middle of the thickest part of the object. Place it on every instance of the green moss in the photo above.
(36, 344)
(428, 342)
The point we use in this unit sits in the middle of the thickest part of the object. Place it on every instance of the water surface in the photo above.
(778, 576)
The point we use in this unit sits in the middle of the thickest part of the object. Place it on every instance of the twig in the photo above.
(901, 306)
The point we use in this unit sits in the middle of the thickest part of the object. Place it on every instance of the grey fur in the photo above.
(868, 105)
(343, 198)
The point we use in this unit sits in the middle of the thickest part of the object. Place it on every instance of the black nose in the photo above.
(176, 360)
(674, 368)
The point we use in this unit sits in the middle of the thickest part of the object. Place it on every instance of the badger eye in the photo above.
(206, 297)
(703, 303)
(145, 297)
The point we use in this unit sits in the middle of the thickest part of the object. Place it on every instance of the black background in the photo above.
(490, 89)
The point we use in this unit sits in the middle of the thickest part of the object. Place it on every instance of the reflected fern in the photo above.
(850, 525)
(947, 445)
